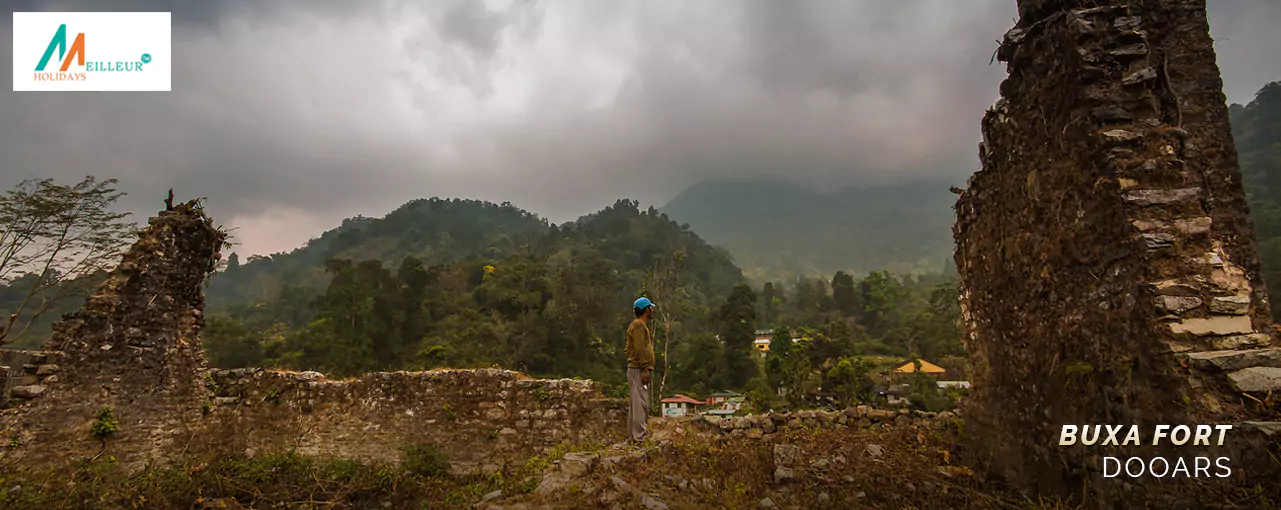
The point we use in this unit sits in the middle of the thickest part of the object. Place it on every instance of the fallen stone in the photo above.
(766, 503)
(1224, 325)
(1176, 304)
(874, 450)
(1256, 379)
(1161, 196)
(47, 370)
(1235, 360)
(652, 503)
(821, 464)
(578, 464)
(1230, 305)
(786, 455)
(824, 498)
(784, 475)
(492, 496)
(32, 391)
(620, 484)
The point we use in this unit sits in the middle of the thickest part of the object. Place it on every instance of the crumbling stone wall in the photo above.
(135, 348)
(1109, 273)
(486, 420)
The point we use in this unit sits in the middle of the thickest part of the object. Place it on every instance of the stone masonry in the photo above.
(135, 348)
(1108, 265)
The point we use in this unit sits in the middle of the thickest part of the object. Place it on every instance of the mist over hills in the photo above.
(777, 230)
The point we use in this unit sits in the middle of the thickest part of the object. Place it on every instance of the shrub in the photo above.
(106, 424)
(426, 460)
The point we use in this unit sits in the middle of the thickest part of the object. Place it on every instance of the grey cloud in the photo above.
(291, 115)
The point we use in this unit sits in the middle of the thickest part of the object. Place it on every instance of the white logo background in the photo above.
(109, 37)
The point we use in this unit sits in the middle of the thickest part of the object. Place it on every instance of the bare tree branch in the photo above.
(53, 237)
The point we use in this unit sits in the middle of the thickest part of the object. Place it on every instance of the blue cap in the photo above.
(642, 303)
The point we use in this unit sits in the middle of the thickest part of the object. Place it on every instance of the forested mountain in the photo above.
(553, 300)
(432, 230)
(778, 230)
(463, 283)
(1256, 128)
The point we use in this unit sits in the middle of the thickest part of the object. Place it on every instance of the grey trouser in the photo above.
(638, 411)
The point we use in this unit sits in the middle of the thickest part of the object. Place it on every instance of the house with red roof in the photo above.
(680, 405)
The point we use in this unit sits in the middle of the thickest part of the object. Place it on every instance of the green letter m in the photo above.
(59, 43)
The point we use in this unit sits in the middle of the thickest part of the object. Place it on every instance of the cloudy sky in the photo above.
(290, 115)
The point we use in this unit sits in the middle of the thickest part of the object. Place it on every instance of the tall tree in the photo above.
(843, 293)
(52, 238)
(738, 327)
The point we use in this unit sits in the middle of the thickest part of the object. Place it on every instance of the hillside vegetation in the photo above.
(1256, 128)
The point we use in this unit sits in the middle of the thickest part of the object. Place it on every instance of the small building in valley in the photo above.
(681, 405)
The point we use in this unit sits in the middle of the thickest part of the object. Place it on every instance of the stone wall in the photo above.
(135, 349)
(485, 419)
(25, 374)
(1109, 273)
(132, 348)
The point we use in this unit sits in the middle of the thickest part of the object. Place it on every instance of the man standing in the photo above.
(640, 366)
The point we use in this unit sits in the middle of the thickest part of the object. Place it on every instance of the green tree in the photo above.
(737, 330)
(844, 295)
(850, 382)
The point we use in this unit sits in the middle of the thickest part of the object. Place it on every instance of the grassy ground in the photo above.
(684, 466)
(688, 468)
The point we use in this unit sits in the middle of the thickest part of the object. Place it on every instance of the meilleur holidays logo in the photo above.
(91, 51)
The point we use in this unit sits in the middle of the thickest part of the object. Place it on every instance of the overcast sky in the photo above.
(290, 115)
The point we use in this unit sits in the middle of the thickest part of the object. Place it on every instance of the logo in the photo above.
(91, 51)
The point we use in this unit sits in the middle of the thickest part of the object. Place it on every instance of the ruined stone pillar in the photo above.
(134, 348)
(1108, 265)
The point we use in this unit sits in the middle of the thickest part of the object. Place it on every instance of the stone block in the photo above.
(1239, 341)
(1193, 226)
(786, 455)
(1161, 196)
(1224, 325)
(578, 464)
(1234, 360)
(1256, 379)
(1231, 305)
(1177, 304)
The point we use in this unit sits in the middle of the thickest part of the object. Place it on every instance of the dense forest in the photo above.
(551, 300)
(1256, 128)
